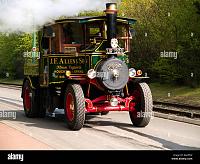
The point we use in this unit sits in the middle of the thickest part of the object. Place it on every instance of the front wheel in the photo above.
(142, 105)
(74, 106)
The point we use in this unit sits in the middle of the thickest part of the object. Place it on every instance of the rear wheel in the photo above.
(143, 105)
(30, 100)
(74, 106)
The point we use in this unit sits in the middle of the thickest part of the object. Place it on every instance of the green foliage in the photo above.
(12, 47)
(166, 25)
(197, 4)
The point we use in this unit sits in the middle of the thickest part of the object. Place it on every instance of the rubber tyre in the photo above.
(104, 113)
(144, 104)
(30, 100)
(74, 106)
(42, 110)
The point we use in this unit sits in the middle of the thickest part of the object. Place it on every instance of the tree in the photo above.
(197, 5)
(166, 25)
(12, 47)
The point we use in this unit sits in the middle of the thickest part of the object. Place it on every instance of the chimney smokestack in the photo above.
(111, 14)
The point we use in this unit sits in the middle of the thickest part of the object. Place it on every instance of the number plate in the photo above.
(115, 50)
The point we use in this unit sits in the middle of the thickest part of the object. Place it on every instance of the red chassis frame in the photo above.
(102, 104)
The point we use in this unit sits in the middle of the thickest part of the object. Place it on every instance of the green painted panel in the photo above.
(96, 59)
(124, 58)
(31, 63)
(78, 65)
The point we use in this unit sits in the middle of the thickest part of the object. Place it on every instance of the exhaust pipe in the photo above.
(111, 14)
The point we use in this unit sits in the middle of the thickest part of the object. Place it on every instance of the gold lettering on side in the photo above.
(61, 61)
(55, 61)
(51, 60)
(59, 66)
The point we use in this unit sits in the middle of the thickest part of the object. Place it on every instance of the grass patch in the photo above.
(178, 94)
(11, 81)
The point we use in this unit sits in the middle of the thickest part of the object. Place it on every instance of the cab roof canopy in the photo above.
(95, 18)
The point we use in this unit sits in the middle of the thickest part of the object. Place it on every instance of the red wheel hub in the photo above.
(70, 107)
(137, 100)
(27, 99)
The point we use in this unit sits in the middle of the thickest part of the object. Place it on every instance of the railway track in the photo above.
(178, 112)
(178, 109)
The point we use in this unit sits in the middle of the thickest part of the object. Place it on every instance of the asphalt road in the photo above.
(111, 132)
